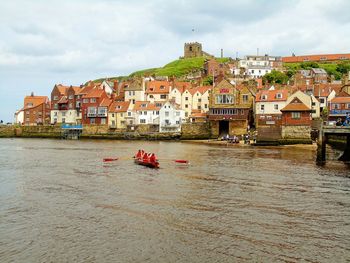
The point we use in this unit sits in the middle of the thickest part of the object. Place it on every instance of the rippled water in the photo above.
(60, 203)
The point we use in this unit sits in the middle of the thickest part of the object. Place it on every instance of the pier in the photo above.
(325, 132)
(71, 131)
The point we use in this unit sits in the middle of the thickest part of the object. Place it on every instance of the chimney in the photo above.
(115, 86)
(222, 53)
(32, 94)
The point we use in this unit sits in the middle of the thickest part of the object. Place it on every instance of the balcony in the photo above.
(102, 114)
(91, 114)
(339, 112)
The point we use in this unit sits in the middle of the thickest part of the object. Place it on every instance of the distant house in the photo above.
(258, 66)
(339, 107)
(134, 90)
(230, 109)
(170, 117)
(157, 90)
(316, 58)
(147, 112)
(36, 110)
(95, 106)
(268, 115)
(118, 114)
(296, 120)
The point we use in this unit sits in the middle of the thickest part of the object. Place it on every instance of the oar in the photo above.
(110, 159)
(181, 161)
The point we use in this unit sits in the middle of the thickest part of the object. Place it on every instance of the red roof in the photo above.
(34, 101)
(323, 57)
(105, 102)
(341, 100)
(94, 93)
(158, 87)
(271, 95)
(296, 105)
(119, 106)
(148, 106)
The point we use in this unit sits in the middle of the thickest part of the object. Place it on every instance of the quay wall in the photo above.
(149, 132)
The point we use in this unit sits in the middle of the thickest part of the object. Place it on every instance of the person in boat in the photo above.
(153, 158)
(139, 154)
(145, 157)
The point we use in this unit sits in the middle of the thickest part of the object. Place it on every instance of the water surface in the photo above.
(60, 203)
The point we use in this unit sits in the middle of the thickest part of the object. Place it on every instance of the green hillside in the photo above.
(337, 70)
(177, 68)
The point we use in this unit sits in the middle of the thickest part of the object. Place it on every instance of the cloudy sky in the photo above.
(44, 42)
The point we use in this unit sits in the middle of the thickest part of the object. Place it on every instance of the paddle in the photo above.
(110, 159)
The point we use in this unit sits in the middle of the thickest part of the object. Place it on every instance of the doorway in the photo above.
(224, 128)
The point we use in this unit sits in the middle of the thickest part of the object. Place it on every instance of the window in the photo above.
(133, 101)
(92, 110)
(55, 113)
(264, 97)
(199, 100)
(122, 122)
(63, 113)
(71, 105)
(92, 121)
(186, 98)
(186, 114)
(121, 114)
(27, 112)
(129, 93)
(29, 104)
(242, 112)
(206, 106)
(163, 96)
(295, 115)
(55, 97)
(275, 106)
(198, 107)
(313, 103)
(63, 120)
(103, 121)
(129, 113)
(321, 100)
(336, 106)
(245, 98)
(71, 97)
(348, 105)
(279, 95)
(158, 104)
(186, 106)
(262, 107)
(157, 112)
(133, 93)
(142, 121)
(102, 111)
(167, 114)
(143, 105)
(224, 99)
(177, 113)
(177, 122)
(151, 96)
(113, 115)
(162, 87)
(145, 112)
(85, 100)
(92, 100)
(55, 106)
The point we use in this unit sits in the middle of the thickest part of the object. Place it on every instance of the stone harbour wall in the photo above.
(296, 132)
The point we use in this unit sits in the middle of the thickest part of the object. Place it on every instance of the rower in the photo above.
(145, 157)
(153, 158)
(139, 154)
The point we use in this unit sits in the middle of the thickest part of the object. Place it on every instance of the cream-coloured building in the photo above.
(118, 114)
(309, 100)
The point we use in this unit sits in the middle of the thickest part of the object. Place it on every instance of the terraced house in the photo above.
(230, 110)
(36, 111)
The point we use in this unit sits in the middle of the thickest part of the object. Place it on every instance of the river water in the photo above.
(60, 203)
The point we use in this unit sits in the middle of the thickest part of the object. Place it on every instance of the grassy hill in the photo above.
(175, 68)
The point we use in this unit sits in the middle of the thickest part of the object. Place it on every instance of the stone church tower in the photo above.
(193, 50)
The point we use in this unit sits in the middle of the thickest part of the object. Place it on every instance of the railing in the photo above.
(337, 112)
(100, 114)
(72, 126)
(91, 114)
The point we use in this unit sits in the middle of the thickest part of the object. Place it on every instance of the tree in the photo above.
(343, 68)
(275, 77)
(309, 65)
(324, 113)
(208, 81)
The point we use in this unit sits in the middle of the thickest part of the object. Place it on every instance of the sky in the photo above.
(47, 42)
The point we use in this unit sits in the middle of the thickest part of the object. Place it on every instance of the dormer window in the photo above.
(29, 104)
(264, 97)
(279, 95)
(118, 107)
(162, 87)
(143, 105)
(151, 89)
(158, 104)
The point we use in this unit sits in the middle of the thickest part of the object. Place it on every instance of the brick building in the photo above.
(36, 110)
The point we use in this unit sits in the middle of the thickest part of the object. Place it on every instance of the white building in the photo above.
(258, 66)
(146, 112)
(270, 102)
(170, 118)
(19, 117)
